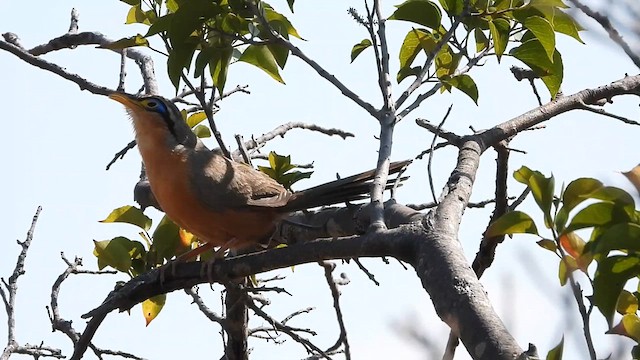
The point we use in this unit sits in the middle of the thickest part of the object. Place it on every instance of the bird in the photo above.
(225, 203)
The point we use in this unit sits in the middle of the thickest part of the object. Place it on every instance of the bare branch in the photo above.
(295, 51)
(366, 271)
(308, 345)
(70, 41)
(204, 308)
(521, 74)
(335, 294)
(120, 154)
(608, 27)
(605, 113)
(284, 128)
(438, 131)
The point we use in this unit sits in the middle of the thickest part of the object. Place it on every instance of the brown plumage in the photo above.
(224, 203)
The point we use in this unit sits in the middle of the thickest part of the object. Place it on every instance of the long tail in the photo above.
(351, 188)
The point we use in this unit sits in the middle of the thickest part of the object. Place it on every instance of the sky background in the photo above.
(58, 139)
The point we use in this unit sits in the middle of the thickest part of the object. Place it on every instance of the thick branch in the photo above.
(458, 296)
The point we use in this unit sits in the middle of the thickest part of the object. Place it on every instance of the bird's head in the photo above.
(153, 114)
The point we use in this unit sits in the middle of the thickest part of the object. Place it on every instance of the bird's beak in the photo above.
(125, 100)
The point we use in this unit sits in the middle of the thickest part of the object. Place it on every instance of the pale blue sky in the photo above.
(59, 140)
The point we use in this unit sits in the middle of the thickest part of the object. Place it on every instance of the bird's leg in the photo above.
(184, 257)
(219, 254)
(302, 225)
(195, 252)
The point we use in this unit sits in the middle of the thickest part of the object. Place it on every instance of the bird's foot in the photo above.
(163, 269)
(208, 268)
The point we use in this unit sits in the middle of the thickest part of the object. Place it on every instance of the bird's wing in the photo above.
(221, 183)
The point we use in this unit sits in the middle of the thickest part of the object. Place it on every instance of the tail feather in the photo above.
(351, 188)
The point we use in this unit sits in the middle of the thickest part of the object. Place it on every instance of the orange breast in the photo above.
(168, 176)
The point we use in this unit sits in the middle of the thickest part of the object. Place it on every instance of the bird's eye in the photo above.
(152, 104)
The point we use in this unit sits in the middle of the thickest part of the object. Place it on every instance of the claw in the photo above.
(207, 267)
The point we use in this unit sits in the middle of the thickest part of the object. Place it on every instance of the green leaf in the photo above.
(452, 7)
(218, 59)
(465, 84)
(542, 4)
(152, 307)
(131, 2)
(281, 164)
(358, 48)
(202, 131)
(548, 244)
(612, 194)
(130, 215)
(533, 54)
(196, 118)
(514, 222)
(137, 40)
(414, 41)
(114, 253)
(172, 5)
(577, 191)
(288, 179)
(162, 23)
(623, 236)
(446, 62)
(567, 265)
(261, 57)
(269, 171)
(565, 24)
(423, 12)
(290, 3)
(137, 16)
(481, 40)
(627, 303)
(280, 53)
(598, 214)
(629, 326)
(189, 17)
(556, 352)
(541, 188)
(611, 276)
(499, 29)
(179, 58)
(166, 238)
(280, 23)
(234, 24)
(543, 31)
(406, 72)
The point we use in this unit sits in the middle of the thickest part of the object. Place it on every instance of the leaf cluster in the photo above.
(489, 25)
(613, 246)
(211, 35)
(280, 168)
(134, 257)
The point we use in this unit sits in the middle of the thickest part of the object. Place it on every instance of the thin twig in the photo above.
(605, 113)
(308, 345)
(295, 51)
(335, 294)
(366, 271)
(204, 309)
(432, 148)
(120, 154)
(610, 29)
